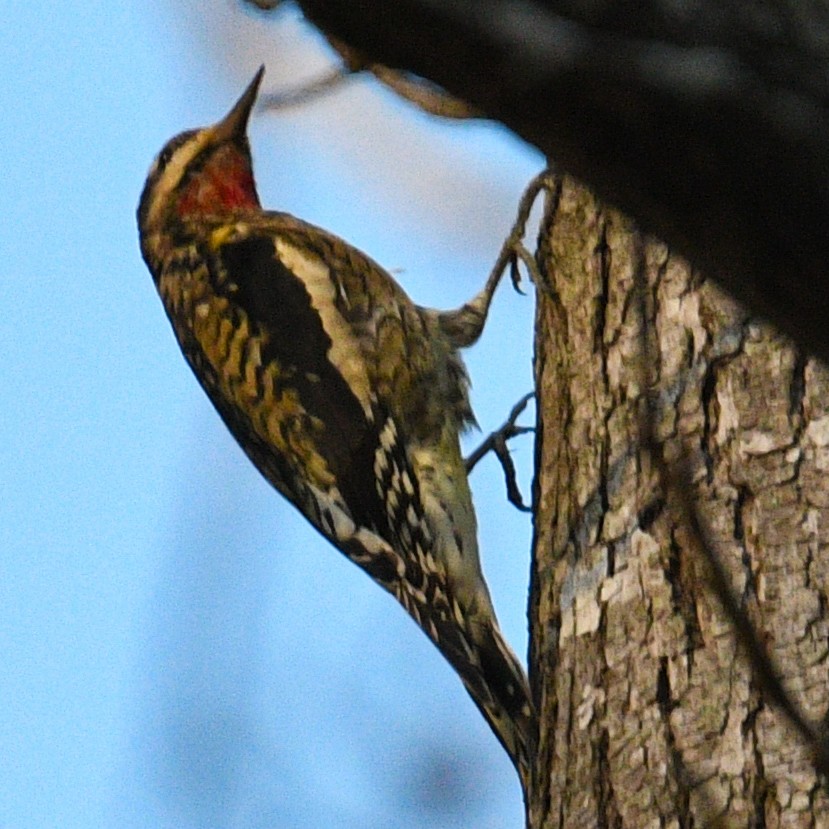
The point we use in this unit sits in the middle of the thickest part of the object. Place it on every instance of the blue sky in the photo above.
(178, 648)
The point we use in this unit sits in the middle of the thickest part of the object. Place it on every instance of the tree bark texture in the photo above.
(706, 121)
(650, 716)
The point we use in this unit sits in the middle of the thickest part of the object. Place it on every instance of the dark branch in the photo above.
(709, 123)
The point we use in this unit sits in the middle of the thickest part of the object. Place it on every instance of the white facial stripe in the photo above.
(345, 353)
(173, 172)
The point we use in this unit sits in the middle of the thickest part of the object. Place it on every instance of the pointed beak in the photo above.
(235, 123)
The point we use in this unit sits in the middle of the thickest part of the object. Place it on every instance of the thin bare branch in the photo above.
(306, 93)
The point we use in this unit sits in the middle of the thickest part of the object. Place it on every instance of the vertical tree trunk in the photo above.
(649, 713)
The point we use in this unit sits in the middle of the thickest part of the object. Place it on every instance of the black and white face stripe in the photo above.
(166, 174)
(165, 156)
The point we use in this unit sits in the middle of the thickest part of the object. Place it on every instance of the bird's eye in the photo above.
(164, 157)
(170, 148)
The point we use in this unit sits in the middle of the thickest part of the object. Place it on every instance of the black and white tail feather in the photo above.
(410, 571)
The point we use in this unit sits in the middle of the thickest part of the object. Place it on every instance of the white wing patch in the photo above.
(345, 353)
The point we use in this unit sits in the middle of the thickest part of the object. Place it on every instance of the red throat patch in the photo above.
(225, 184)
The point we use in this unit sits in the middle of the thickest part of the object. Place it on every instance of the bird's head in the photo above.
(202, 173)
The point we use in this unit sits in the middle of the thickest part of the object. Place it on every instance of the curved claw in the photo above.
(497, 443)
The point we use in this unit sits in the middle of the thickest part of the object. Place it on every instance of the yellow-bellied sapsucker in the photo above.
(347, 396)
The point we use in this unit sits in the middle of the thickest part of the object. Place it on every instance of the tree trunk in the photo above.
(650, 715)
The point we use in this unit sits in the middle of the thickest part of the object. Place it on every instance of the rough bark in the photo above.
(706, 121)
(649, 714)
